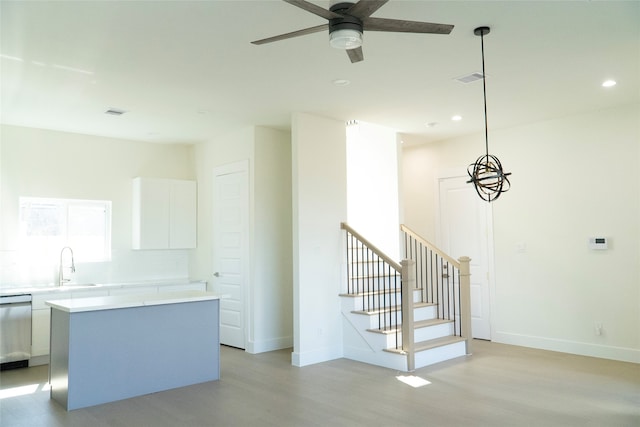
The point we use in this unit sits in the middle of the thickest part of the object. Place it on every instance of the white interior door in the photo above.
(231, 251)
(463, 230)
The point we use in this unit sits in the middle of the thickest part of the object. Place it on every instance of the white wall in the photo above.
(573, 178)
(269, 304)
(372, 185)
(272, 268)
(319, 206)
(42, 163)
(223, 149)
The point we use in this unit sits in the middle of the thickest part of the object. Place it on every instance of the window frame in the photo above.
(53, 243)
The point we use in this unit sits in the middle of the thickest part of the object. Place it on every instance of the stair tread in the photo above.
(372, 292)
(416, 325)
(393, 308)
(437, 342)
(429, 344)
(369, 293)
(430, 322)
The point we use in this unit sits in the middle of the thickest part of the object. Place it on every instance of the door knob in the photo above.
(216, 274)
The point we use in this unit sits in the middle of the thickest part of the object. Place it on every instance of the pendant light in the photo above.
(486, 173)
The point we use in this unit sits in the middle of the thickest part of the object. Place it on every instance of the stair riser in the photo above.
(364, 321)
(374, 284)
(433, 332)
(425, 313)
(423, 334)
(374, 301)
(439, 354)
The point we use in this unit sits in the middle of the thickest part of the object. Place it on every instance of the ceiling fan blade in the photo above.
(401, 26)
(316, 10)
(355, 55)
(323, 27)
(365, 8)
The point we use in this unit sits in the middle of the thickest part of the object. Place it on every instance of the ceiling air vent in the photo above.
(115, 112)
(470, 77)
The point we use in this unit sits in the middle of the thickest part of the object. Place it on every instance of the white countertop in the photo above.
(78, 305)
(51, 288)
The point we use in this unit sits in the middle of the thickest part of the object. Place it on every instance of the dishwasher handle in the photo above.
(15, 299)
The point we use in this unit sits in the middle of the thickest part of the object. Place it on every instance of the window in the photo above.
(48, 225)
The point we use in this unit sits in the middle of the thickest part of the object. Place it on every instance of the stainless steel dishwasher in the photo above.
(15, 331)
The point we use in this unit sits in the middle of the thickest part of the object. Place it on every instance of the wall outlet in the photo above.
(598, 328)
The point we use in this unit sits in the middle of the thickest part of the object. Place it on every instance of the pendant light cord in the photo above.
(484, 90)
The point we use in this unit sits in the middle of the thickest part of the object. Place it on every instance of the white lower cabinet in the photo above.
(40, 327)
(41, 322)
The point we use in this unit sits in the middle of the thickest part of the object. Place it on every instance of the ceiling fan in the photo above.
(348, 20)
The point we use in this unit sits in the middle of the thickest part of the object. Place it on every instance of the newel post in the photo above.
(465, 301)
(408, 285)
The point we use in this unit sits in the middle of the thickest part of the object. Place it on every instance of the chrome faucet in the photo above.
(61, 279)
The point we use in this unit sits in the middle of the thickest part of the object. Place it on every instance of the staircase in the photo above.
(383, 327)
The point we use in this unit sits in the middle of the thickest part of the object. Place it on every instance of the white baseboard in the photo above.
(384, 359)
(255, 347)
(39, 360)
(315, 356)
(573, 347)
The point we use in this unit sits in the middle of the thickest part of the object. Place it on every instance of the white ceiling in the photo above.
(185, 70)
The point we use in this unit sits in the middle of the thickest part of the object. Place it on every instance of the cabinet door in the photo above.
(151, 210)
(40, 327)
(183, 214)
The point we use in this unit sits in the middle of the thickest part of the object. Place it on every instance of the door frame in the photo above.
(457, 172)
(241, 166)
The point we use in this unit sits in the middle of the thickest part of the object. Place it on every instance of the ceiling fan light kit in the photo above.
(347, 22)
(486, 173)
(344, 32)
(345, 39)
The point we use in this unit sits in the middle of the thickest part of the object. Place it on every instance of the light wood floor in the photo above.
(499, 385)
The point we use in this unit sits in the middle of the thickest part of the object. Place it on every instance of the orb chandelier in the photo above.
(486, 173)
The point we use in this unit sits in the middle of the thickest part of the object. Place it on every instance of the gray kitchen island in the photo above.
(105, 349)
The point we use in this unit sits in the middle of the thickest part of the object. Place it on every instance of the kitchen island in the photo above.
(111, 348)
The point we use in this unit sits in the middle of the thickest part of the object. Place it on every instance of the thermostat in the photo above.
(598, 243)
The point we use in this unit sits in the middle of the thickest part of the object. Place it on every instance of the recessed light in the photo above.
(341, 82)
(456, 118)
(470, 77)
(609, 83)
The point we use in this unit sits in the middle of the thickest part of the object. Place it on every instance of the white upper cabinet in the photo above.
(182, 214)
(164, 213)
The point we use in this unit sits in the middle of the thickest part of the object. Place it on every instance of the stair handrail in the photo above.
(431, 246)
(395, 264)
